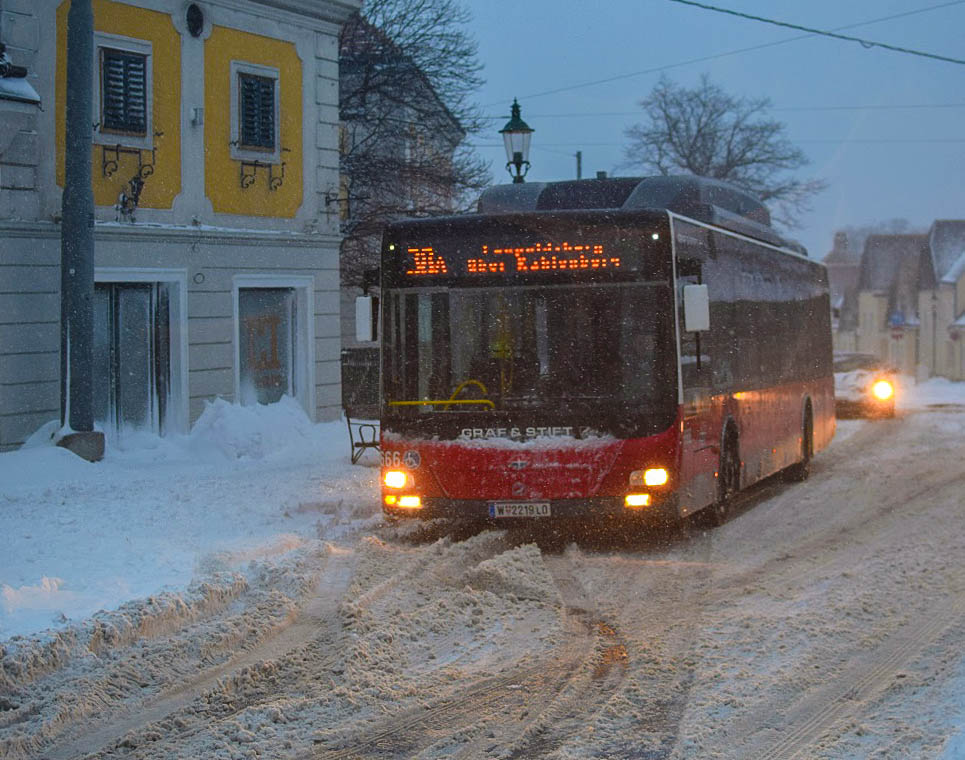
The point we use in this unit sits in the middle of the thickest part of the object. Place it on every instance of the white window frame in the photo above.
(237, 152)
(130, 45)
(304, 370)
(176, 418)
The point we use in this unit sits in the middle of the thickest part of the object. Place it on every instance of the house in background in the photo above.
(216, 257)
(887, 303)
(907, 305)
(843, 269)
(397, 142)
(941, 301)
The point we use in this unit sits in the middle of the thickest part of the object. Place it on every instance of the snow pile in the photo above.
(82, 671)
(247, 482)
(936, 391)
(256, 432)
(519, 573)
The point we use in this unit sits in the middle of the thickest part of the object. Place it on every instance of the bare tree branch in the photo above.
(709, 133)
(407, 71)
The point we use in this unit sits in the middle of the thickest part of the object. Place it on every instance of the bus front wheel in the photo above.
(728, 482)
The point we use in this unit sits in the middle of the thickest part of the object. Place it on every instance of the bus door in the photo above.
(700, 413)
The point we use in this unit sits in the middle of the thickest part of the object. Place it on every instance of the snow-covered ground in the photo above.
(248, 502)
(247, 482)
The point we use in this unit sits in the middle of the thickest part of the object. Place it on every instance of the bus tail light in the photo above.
(636, 500)
(395, 478)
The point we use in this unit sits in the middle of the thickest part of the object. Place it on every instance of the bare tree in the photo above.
(709, 133)
(407, 71)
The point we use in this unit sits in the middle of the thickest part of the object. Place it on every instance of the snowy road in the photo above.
(825, 619)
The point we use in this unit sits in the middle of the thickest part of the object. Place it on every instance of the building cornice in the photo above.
(333, 11)
(183, 235)
(322, 12)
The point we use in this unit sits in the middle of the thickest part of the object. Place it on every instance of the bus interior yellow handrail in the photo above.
(437, 402)
(467, 383)
(452, 399)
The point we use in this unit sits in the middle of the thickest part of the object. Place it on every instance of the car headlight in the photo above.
(882, 390)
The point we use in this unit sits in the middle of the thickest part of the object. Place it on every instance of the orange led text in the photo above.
(545, 257)
(426, 261)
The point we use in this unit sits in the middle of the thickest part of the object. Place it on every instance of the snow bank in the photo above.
(932, 392)
(246, 482)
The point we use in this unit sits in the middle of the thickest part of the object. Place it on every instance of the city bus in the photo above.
(606, 348)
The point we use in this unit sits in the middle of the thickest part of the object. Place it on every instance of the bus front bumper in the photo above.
(663, 507)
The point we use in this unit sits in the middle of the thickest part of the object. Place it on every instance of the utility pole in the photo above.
(579, 164)
(77, 245)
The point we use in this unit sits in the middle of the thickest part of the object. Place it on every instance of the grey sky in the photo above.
(888, 160)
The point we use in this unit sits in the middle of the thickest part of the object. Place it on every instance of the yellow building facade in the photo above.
(214, 151)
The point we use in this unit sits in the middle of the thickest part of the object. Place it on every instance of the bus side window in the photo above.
(695, 361)
(695, 255)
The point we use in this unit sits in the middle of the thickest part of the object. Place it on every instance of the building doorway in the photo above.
(132, 356)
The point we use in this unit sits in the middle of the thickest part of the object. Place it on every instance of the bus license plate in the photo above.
(519, 509)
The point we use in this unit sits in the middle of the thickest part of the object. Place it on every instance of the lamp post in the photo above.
(516, 136)
(77, 245)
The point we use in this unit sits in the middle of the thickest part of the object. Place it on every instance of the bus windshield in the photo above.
(566, 348)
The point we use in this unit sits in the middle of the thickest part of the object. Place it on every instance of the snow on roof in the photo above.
(956, 271)
(946, 241)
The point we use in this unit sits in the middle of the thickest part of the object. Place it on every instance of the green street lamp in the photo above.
(516, 136)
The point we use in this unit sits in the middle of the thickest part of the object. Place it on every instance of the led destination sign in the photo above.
(539, 257)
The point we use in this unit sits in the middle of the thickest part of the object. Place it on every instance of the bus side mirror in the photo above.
(696, 308)
(365, 319)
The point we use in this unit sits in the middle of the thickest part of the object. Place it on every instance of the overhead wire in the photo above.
(823, 32)
(830, 140)
(879, 107)
(728, 53)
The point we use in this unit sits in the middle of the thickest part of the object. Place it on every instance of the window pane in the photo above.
(135, 357)
(267, 358)
(103, 329)
(565, 347)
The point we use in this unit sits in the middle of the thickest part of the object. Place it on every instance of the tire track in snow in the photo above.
(879, 516)
(268, 675)
(507, 712)
(317, 619)
(818, 713)
(581, 694)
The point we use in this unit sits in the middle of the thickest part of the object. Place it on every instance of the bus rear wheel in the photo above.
(801, 471)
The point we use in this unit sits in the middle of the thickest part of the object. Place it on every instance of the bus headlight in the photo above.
(882, 390)
(637, 500)
(652, 476)
(395, 478)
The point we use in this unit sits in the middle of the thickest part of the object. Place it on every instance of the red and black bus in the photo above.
(598, 348)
